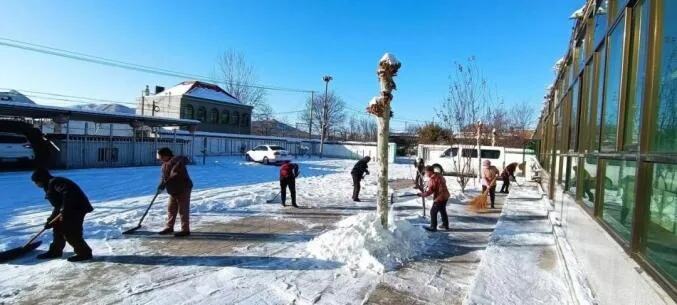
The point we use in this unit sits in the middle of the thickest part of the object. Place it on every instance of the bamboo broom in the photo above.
(479, 203)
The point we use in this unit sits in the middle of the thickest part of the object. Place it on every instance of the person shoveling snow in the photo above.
(70, 205)
(177, 182)
(288, 173)
(437, 186)
(360, 169)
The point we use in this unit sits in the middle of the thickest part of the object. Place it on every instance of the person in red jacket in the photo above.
(437, 187)
(288, 173)
(176, 180)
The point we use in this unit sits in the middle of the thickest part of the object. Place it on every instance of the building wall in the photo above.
(230, 118)
(609, 141)
(217, 117)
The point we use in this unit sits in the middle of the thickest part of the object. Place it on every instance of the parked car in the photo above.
(15, 148)
(268, 154)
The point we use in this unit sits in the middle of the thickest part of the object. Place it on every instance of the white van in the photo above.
(462, 159)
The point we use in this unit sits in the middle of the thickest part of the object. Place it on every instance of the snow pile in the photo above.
(389, 59)
(362, 243)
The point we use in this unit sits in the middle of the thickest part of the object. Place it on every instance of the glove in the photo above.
(48, 225)
(161, 187)
(419, 194)
(366, 172)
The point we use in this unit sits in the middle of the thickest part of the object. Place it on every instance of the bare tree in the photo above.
(468, 97)
(335, 112)
(239, 79)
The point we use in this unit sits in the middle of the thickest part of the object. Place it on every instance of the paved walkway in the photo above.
(522, 264)
(263, 243)
(445, 272)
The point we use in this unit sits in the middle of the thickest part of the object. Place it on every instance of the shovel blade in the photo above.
(18, 252)
(132, 230)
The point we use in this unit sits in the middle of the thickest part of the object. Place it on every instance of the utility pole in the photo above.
(143, 102)
(312, 105)
(327, 79)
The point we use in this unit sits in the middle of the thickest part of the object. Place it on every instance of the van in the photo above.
(463, 159)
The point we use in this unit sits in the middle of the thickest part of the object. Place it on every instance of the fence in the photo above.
(218, 144)
(86, 151)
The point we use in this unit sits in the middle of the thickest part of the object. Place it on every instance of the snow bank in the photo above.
(361, 242)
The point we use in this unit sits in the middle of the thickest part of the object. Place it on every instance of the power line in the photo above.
(68, 96)
(126, 65)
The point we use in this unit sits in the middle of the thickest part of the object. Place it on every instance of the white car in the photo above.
(15, 148)
(268, 154)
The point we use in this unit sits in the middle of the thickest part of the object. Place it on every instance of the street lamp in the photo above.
(326, 79)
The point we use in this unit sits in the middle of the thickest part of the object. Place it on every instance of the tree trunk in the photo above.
(382, 147)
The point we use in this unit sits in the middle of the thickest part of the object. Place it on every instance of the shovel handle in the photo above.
(42, 231)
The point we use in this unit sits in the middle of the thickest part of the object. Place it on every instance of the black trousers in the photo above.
(291, 183)
(441, 208)
(356, 185)
(506, 184)
(492, 194)
(69, 229)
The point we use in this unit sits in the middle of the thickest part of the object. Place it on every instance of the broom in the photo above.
(479, 203)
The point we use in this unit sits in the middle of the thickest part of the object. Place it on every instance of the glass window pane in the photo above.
(661, 232)
(665, 138)
(612, 92)
(619, 195)
(601, 74)
(573, 125)
(588, 177)
(571, 178)
(637, 73)
(601, 21)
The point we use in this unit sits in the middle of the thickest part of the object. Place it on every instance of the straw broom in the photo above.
(479, 203)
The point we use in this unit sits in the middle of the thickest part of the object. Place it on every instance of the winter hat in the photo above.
(486, 162)
(41, 175)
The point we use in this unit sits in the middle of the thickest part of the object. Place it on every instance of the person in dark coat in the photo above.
(437, 186)
(176, 181)
(359, 170)
(288, 173)
(420, 171)
(70, 205)
(506, 175)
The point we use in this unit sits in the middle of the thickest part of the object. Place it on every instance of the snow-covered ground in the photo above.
(271, 264)
(244, 250)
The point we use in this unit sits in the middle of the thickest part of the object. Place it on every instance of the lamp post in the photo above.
(327, 79)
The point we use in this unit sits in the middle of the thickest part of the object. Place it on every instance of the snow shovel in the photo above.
(273, 200)
(130, 231)
(28, 247)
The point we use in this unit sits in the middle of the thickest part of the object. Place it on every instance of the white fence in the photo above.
(219, 144)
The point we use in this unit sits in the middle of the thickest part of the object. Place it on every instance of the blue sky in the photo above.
(291, 44)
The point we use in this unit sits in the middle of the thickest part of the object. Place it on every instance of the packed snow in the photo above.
(361, 242)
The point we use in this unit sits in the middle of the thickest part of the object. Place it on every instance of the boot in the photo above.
(80, 257)
(443, 227)
(357, 199)
(166, 231)
(182, 234)
(294, 205)
(283, 204)
(430, 229)
(49, 255)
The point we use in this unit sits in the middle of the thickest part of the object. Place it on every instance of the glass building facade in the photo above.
(608, 130)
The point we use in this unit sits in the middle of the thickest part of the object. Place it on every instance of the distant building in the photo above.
(216, 109)
(14, 96)
(276, 128)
